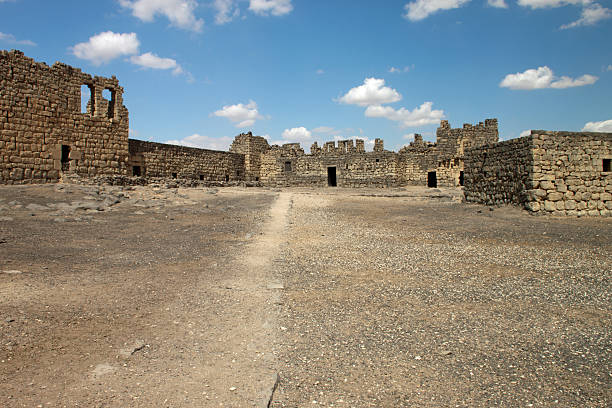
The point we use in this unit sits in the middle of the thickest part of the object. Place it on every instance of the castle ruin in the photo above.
(45, 133)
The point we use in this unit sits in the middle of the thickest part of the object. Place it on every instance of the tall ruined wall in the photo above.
(499, 173)
(560, 173)
(42, 130)
(352, 167)
(251, 147)
(170, 161)
(452, 143)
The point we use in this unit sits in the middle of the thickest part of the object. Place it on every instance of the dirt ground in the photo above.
(143, 296)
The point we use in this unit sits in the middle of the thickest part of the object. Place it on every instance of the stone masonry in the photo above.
(559, 173)
(42, 130)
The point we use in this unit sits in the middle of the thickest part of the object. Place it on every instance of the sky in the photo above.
(199, 72)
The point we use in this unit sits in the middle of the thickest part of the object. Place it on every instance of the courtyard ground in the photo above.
(143, 296)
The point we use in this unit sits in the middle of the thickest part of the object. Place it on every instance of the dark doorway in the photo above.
(65, 158)
(432, 180)
(606, 164)
(460, 178)
(136, 171)
(201, 177)
(331, 177)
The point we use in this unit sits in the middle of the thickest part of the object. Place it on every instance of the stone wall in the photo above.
(43, 132)
(251, 147)
(149, 159)
(559, 173)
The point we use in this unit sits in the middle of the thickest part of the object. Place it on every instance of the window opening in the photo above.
(108, 95)
(377, 160)
(174, 175)
(226, 178)
(606, 164)
(87, 99)
(287, 166)
(201, 177)
(256, 178)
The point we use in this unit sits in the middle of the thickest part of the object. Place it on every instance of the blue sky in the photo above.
(200, 72)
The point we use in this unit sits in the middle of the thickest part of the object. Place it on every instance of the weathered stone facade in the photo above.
(251, 147)
(42, 130)
(149, 159)
(560, 173)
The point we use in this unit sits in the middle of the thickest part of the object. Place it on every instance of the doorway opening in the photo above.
(331, 177)
(432, 180)
(65, 160)
(136, 171)
(460, 178)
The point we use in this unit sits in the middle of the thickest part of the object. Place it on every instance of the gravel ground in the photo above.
(165, 297)
(392, 301)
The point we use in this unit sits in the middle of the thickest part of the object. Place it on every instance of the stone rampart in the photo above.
(43, 131)
(159, 160)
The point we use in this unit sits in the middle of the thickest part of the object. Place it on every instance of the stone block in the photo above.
(570, 204)
(555, 196)
(550, 206)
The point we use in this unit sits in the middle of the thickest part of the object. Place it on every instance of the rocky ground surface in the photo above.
(144, 296)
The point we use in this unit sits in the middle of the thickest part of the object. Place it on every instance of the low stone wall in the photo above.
(568, 173)
(499, 173)
(559, 173)
(161, 160)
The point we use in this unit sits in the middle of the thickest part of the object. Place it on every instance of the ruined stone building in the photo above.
(46, 133)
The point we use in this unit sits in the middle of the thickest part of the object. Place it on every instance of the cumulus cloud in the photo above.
(542, 78)
(204, 142)
(525, 133)
(107, 46)
(372, 92)
(603, 126)
(497, 3)
(273, 7)
(420, 116)
(179, 12)
(241, 115)
(150, 60)
(591, 14)
(297, 134)
(226, 11)
(9, 38)
(421, 9)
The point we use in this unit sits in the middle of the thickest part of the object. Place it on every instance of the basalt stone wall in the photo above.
(43, 131)
(160, 160)
(251, 147)
(559, 173)
(571, 173)
(499, 173)
(346, 165)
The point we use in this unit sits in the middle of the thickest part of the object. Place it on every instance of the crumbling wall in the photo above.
(252, 148)
(559, 173)
(351, 165)
(42, 130)
(152, 159)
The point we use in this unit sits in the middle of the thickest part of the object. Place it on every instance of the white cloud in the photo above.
(534, 4)
(273, 7)
(421, 116)
(603, 126)
(204, 142)
(497, 3)
(150, 60)
(298, 134)
(421, 9)
(106, 46)
(395, 70)
(525, 133)
(372, 92)
(226, 11)
(325, 130)
(609, 68)
(591, 15)
(9, 38)
(241, 115)
(179, 12)
(542, 78)
(409, 137)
